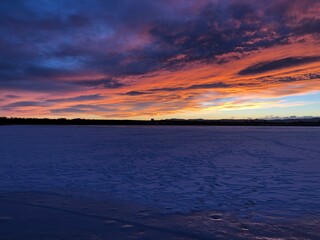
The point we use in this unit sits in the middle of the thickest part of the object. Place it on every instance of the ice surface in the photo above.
(252, 172)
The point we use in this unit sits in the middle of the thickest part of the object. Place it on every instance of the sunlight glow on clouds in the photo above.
(165, 59)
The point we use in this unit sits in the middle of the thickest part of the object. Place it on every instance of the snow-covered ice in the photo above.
(250, 172)
(226, 182)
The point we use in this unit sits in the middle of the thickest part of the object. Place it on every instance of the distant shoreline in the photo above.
(169, 122)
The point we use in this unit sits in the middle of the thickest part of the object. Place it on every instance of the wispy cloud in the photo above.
(279, 64)
(77, 98)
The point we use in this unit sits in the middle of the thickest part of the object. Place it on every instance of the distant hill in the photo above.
(313, 121)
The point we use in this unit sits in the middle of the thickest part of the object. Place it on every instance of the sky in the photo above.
(142, 59)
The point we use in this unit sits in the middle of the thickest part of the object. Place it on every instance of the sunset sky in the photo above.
(142, 59)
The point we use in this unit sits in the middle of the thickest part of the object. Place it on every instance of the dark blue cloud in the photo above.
(136, 93)
(23, 104)
(11, 96)
(100, 83)
(297, 77)
(192, 87)
(82, 108)
(78, 98)
(278, 64)
(43, 41)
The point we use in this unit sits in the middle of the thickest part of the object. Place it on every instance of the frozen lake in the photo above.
(250, 172)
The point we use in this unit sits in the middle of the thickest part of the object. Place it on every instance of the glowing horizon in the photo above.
(166, 59)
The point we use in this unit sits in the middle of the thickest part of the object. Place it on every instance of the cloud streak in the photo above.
(278, 64)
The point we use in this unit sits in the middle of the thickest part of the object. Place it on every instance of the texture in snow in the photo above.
(249, 171)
